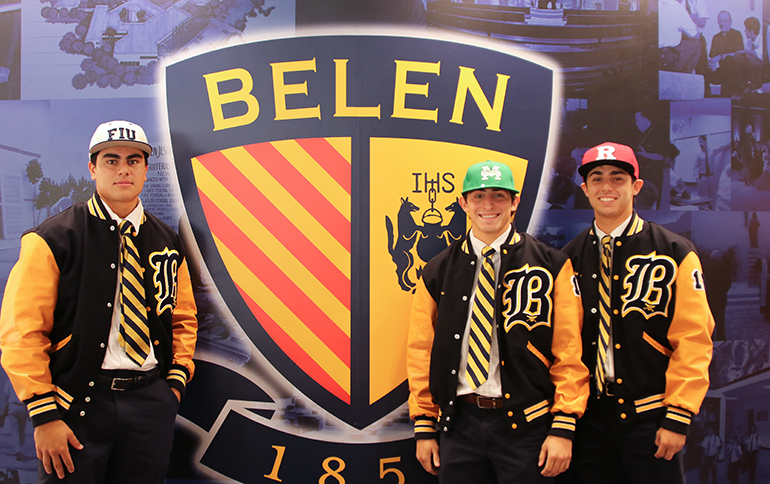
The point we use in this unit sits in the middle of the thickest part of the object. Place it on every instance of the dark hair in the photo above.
(94, 155)
(752, 23)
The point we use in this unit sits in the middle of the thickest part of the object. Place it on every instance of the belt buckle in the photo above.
(608, 389)
(114, 380)
(489, 402)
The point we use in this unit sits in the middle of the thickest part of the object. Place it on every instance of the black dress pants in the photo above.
(126, 437)
(481, 449)
(609, 451)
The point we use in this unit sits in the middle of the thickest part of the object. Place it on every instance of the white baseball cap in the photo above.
(119, 133)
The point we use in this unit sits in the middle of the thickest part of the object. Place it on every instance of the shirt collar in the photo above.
(478, 245)
(135, 217)
(615, 233)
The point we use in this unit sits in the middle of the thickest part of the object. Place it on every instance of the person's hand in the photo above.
(556, 454)
(52, 441)
(427, 454)
(669, 443)
(177, 393)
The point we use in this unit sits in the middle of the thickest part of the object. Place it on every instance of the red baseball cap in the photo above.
(615, 154)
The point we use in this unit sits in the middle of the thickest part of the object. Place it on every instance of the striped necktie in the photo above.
(480, 340)
(134, 335)
(604, 312)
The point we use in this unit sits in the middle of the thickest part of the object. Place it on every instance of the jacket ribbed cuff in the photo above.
(677, 420)
(563, 425)
(42, 409)
(177, 377)
(425, 428)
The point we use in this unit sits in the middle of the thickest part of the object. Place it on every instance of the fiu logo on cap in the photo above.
(648, 284)
(428, 238)
(527, 297)
(165, 265)
(123, 133)
(487, 173)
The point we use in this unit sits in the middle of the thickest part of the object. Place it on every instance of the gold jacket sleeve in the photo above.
(26, 318)
(418, 352)
(568, 373)
(687, 377)
(184, 322)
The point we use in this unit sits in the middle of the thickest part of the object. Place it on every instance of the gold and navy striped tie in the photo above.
(480, 340)
(604, 312)
(134, 335)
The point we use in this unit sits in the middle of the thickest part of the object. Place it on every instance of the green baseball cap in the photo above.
(489, 174)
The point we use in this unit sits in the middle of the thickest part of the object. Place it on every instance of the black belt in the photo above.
(482, 402)
(122, 380)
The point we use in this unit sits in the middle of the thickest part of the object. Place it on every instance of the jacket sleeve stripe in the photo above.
(564, 422)
(37, 407)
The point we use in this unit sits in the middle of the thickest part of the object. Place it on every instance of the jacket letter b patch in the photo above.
(527, 297)
(648, 284)
(165, 265)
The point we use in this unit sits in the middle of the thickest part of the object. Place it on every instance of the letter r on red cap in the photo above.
(605, 153)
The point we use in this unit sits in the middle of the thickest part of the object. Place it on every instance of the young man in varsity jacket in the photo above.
(98, 326)
(493, 354)
(646, 333)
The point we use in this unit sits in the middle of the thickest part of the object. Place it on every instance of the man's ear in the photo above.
(92, 169)
(463, 203)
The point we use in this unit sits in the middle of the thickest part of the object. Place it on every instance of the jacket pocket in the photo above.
(61, 344)
(540, 356)
(659, 347)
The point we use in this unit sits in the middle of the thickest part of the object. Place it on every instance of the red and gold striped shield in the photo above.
(279, 214)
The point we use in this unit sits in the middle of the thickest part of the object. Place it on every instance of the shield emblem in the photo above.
(320, 174)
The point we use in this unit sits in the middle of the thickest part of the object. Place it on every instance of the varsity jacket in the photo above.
(661, 322)
(538, 315)
(58, 303)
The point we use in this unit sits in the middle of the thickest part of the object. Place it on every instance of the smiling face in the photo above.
(490, 211)
(120, 173)
(611, 191)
